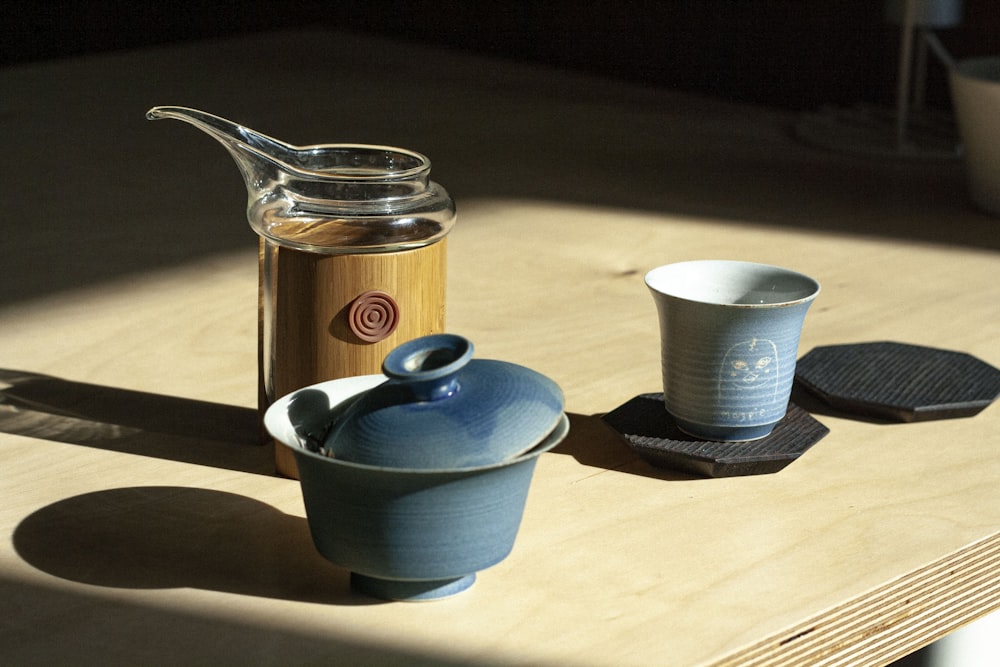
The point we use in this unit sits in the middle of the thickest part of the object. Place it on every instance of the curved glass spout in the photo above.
(330, 198)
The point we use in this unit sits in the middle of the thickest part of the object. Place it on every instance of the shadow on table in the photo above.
(592, 442)
(213, 434)
(160, 537)
(494, 129)
(122, 420)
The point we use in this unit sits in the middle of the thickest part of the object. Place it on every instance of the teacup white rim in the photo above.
(812, 282)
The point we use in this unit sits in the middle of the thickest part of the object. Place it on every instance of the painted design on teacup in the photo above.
(749, 367)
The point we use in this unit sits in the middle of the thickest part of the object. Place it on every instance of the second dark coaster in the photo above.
(651, 432)
(898, 381)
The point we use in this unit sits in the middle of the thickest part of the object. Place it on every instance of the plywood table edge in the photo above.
(891, 621)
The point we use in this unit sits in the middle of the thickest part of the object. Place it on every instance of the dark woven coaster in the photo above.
(652, 433)
(897, 381)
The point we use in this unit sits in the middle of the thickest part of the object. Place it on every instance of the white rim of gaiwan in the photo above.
(281, 429)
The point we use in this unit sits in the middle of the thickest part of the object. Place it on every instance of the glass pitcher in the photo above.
(352, 254)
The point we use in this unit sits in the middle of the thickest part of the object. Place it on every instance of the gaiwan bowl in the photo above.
(405, 531)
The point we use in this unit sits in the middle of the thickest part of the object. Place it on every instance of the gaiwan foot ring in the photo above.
(653, 434)
(410, 591)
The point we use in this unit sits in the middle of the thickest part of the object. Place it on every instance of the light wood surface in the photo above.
(143, 524)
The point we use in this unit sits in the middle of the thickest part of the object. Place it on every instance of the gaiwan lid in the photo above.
(441, 409)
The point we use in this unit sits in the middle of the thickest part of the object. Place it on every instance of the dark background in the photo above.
(797, 54)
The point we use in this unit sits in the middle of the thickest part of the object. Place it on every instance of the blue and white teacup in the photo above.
(729, 335)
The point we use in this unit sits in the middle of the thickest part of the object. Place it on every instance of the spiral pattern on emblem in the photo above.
(373, 316)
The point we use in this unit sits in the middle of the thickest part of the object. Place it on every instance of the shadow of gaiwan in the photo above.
(171, 537)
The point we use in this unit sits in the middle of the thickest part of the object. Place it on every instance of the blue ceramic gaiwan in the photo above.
(442, 409)
(417, 479)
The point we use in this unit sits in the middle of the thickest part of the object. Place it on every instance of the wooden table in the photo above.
(143, 524)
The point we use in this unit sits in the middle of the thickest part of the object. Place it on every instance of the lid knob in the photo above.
(428, 365)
